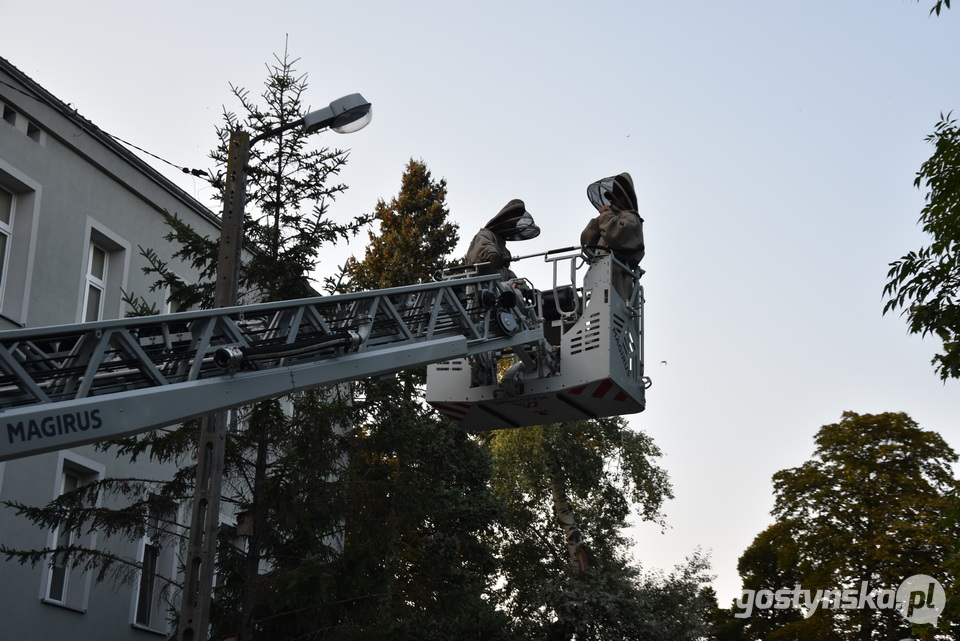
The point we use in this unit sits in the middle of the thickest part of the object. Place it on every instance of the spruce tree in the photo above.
(283, 460)
(415, 236)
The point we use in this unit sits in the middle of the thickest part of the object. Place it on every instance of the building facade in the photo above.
(75, 207)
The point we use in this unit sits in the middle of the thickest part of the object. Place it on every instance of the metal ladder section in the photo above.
(71, 385)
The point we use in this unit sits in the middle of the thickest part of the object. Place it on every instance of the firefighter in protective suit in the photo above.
(489, 246)
(617, 226)
(488, 251)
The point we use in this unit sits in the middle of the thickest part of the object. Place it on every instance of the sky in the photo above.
(773, 147)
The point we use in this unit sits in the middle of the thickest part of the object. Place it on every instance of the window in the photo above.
(35, 132)
(169, 306)
(148, 575)
(105, 266)
(19, 207)
(158, 563)
(57, 585)
(6, 231)
(96, 283)
(63, 585)
(148, 582)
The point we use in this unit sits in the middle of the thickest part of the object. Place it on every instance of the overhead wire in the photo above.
(199, 173)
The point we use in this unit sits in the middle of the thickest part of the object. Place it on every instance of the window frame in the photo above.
(75, 594)
(21, 254)
(116, 268)
(95, 283)
(6, 231)
(58, 576)
(164, 570)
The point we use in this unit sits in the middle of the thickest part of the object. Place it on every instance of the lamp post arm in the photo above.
(340, 115)
(276, 130)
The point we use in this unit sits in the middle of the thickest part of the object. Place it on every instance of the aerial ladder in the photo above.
(501, 355)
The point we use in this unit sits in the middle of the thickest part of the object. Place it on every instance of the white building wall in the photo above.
(73, 185)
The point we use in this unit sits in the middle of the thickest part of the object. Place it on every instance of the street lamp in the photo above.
(344, 115)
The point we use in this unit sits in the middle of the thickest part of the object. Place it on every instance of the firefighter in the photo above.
(617, 226)
(488, 249)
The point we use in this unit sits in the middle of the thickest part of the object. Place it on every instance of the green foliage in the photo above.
(285, 473)
(610, 466)
(415, 235)
(287, 219)
(770, 563)
(82, 512)
(938, 6)
(608, 473)
(870, 506)
(290, 187)
(415, 562)
(925, 283)
(284, 466)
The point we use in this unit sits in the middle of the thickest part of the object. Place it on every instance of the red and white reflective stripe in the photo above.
(455, 411)
(605, 389)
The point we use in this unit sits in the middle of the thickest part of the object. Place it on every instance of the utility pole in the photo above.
(205, 521)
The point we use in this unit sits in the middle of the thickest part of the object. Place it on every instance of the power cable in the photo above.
(200, 173)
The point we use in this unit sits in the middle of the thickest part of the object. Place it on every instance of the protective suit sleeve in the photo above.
(622, 231)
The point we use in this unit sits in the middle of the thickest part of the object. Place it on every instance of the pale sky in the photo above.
(773, 146)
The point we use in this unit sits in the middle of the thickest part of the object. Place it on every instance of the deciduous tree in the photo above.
(868, 509)
(925, 283)
(567, 574)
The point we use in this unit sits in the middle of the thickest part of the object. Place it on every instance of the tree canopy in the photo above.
(568, 491)
(415, 235)
(417, 505)
(870, 508)
(925, 283)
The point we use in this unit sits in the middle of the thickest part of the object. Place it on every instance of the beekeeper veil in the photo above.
(514, 222)
(615, 191)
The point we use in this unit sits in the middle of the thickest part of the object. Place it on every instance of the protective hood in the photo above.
(615, 191)
(514, 222)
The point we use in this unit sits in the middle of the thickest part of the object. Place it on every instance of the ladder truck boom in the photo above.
(72, 385)
(500, 355)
